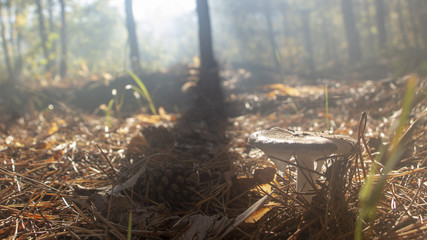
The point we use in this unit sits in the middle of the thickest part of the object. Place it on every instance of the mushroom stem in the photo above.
(280, 161)
(305, 177)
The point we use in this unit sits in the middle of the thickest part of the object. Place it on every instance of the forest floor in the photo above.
(67, 173)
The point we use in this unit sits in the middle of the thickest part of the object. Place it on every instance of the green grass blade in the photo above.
(327, 107)
(371, 191)
(277, 56)
(108, 113)
(144, 92)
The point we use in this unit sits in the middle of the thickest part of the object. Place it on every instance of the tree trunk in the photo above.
(50, 6)
(42, 32)
(381, 14)
(308, 43)
(63, 61)
(287, 37)
(328, 57)
(6, 48)
(205, 38)
(422, 18)
(368, 25)
(402, 25)
(52, 28)
(18, 40)
(275, 53)
(11, 26)
(352, 34)
(132, 37)
(209, 81)
(412, 9)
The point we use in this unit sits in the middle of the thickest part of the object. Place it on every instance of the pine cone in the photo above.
(173, 186)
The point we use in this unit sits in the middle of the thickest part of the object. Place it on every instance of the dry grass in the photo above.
(57, 171)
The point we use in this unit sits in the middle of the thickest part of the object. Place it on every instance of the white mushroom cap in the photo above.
(281, 144)
(345, 144)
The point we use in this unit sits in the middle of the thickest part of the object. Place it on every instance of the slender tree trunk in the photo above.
(308, 43)
(11, 26)
(402, 28)
(42, 32)
(380, 16)
(325, 35)
(354, 52)
(368, 25)
(209, 82)
(15, 57)
(422, 18)
(133, 40)
(287, 37)
(412, 9)
(51, 29)
(18, 40)
(275, 53)
(50, 6)
(6, 48)
(63, 61)
(205, 38)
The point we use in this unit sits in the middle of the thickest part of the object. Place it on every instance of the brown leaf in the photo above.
(264, 175)
(137, 145)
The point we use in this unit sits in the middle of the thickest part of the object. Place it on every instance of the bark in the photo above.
(42, 32)
(380, 16)
(209, 82)
(352, 35)
(63, 61)
(132, 37)
(275, 53)
(6, 48)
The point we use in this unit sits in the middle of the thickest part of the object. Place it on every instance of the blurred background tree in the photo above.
(50, 39)
(132, 38)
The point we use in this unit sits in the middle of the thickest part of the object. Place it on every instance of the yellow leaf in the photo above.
(283, 89)
(162, 112)
(265, 187)
(53, 129)
(61, 121)
(257, 215)
(272, 94)
(146, 118)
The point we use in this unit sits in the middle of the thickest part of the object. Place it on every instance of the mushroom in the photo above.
(306, 147)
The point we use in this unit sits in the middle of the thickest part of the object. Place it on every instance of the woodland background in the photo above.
(124, 119)
(43, 41)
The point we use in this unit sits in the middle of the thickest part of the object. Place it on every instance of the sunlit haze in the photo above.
(159, 11)
(157, 22)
